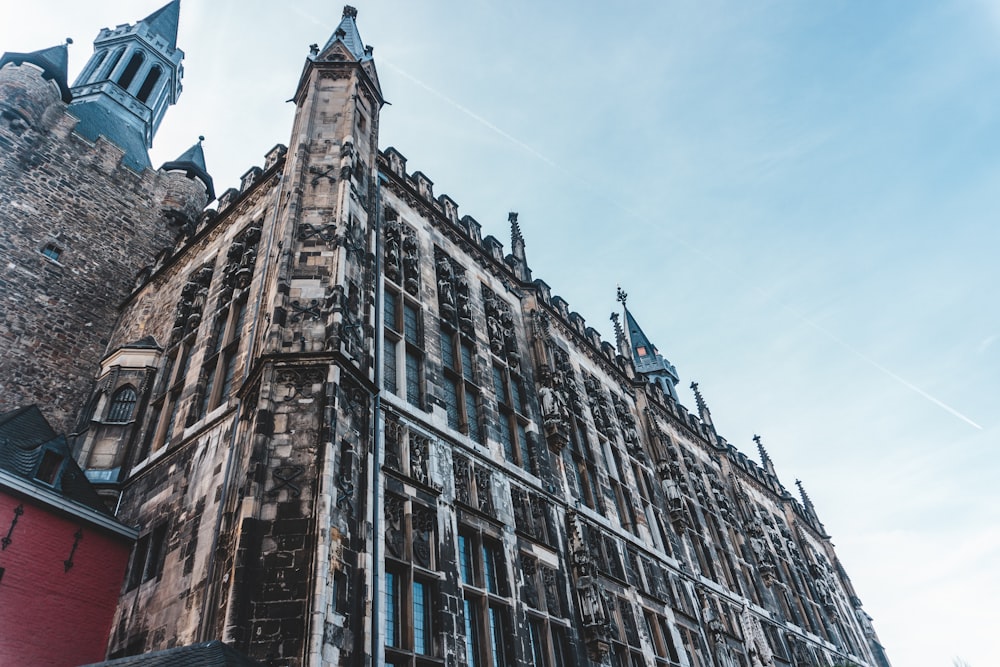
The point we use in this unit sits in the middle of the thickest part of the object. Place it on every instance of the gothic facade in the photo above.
(351, 428)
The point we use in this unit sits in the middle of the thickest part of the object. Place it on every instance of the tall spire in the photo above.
(347, 34)
(703, 411)
(808, 506)
(647, 359)
(164, 21)
(765, 459)
(124, 90)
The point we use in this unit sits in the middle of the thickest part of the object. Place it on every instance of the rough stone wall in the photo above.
(58, 189)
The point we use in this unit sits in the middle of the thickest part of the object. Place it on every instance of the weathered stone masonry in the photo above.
(331, 393)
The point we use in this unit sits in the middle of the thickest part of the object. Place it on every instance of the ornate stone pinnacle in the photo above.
(515, 228)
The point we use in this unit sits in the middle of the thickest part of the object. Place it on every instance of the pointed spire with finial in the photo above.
(647, 359)
(808, 506)
(703, 411)
(765, 459)
(192, 163)
(348, 35)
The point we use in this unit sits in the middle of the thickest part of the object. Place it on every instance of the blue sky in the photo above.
(799, 197)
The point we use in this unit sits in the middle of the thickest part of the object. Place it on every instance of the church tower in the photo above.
(72, 252)
(129, 81)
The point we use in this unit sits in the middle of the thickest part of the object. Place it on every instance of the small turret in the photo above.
(192, 163)
(191, 190)
(32, 82)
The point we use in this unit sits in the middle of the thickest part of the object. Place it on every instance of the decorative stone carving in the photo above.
(500, 327)
(394, 537)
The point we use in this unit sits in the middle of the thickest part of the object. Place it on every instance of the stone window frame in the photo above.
(460, 382)
(147, 558)
(121, 407)
(52, 251)
(512, 417)
(487, 595)
(411, 583)
(665, 652)
(168, 399)
(626, 643)
(403, 339)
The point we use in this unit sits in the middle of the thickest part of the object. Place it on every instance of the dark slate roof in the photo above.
(164, 21)
(209, 654)
(53, 62)
(97, 120)
(25, 436)
(144, 343)
(351, 38)
(193, 163)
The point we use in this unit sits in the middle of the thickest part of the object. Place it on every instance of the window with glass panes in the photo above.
(403, 347)
(511, 420)
(459, 382)
(165, 421)
(626, 649)
(662, 637)
(410, 583)
(486, 599)
(546, 626)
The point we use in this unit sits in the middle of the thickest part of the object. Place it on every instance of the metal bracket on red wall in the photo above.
(5, 542)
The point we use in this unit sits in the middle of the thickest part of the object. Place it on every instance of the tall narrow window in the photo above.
(509, 391)
(167, 397)
(487, 603)
(411, 559)
(403, 337)
(461, 393)
(125, 80)
(147, 85)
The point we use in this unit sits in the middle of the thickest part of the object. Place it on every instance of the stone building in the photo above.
(362, 430)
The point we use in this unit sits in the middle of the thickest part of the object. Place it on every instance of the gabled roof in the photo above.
(25, 437)
(208, 654)
(164, 22)
(53, 62)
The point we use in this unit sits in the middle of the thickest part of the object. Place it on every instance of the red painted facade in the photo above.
(52, 615)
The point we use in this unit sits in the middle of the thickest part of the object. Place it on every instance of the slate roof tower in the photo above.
(128, 83)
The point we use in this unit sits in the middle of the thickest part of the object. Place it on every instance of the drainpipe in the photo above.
(378, 646)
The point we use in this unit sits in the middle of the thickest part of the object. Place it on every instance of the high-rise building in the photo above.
(351, 428)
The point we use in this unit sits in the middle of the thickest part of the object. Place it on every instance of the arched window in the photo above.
(125, 80)
(147, 85)
(106, 72)
(122, 405)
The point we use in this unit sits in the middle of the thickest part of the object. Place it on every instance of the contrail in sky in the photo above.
(795, 313)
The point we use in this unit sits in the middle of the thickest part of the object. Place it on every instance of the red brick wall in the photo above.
(50, 616)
